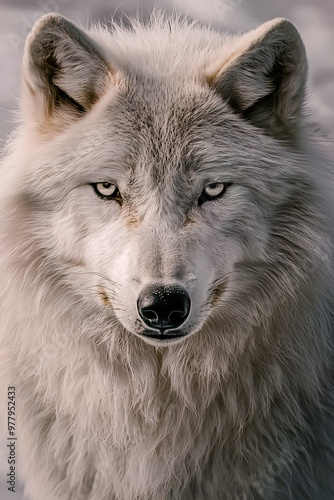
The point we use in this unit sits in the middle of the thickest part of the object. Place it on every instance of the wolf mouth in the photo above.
(162, 336)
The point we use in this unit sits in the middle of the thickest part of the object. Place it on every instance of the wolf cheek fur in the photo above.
(122, 134)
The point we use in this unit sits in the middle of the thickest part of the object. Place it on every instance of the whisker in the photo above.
(103, 276)
(108, 288)
(98, 293)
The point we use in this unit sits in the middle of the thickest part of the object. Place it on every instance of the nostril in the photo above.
(176, 315)
(149, 314)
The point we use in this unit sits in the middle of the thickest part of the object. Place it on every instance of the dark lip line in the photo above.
(162, 336)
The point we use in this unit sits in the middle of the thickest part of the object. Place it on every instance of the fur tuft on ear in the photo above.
(64, 72)
(264, 79)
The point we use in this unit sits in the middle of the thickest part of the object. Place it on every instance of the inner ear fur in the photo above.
(64, 72)
(264, 80)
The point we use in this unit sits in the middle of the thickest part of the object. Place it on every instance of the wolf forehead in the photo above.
(163, 100)
(165, 126)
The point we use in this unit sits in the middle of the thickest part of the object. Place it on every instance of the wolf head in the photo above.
(163, 175)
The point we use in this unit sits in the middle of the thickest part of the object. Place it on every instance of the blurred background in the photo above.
(314, 20)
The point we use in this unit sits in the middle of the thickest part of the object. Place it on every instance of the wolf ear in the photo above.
(64, 72)
(264, 79)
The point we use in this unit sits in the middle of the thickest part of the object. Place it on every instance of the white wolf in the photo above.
(166, 267)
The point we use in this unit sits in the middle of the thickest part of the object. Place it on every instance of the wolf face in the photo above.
(156, 203)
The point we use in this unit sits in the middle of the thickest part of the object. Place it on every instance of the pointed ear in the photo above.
(64, 73)
(264, 79)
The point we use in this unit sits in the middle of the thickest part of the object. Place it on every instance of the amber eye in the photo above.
(213, 191)
(108, 191)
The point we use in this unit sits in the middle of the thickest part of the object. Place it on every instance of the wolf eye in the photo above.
(108, 191)
(213, 191)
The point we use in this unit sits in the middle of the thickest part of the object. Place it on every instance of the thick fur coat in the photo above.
(214, 187)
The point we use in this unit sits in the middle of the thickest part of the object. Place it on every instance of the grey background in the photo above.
(314, 20)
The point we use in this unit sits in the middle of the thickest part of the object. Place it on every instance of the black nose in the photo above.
(163, 307)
